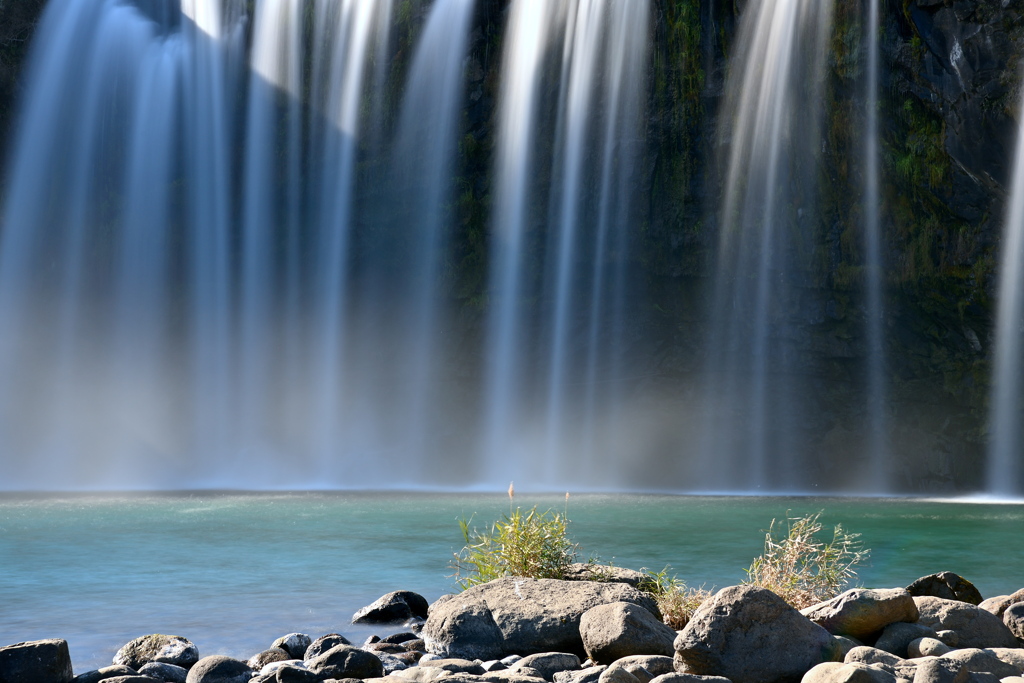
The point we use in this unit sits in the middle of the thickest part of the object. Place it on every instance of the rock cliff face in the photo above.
(949, 111)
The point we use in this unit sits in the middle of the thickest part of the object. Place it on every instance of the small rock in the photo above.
(872, 655)
(456, 665)
(158, 648)
(1013, 618)
(975, 627)
(946, 585)
(409, 658)
(294, 644)
(940, 671)
(835, 672)
(896, 638)
(587, 675)
(586, 571)
(422, 674)
(998, 604)
(323, 644)
(861, 612)
(620, 675)
(274, 654)
(169, 673)
(688, 678)
(844, 645)
(392, 663)
(750, 635)
(37, 661)
(510, 660)
(503, 677)
(384, 648)
(291, 673)
(219, 669)
(345, 661)
(395, 606)
(105, 673)
(133, 679)
(399, 638)
(547, 664)
(1014, 656)
(415, 645)
(950, 638)
(493, 665)
(927, 647)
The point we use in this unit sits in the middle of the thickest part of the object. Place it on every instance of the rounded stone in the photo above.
(158, 647)
(219, 669)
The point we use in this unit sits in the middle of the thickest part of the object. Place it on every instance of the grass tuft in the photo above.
(802, 569)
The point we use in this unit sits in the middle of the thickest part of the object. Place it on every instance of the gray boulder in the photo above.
(295, 644)
(936, 670)
(261, 659)
(586, 571)
(456, 665)
(520, 616)
(547, 664)
(688, 678)
(977, 660)
(1013, 618)
(974, 626)
(621, 629)
(37, 661)
(589, 675)
(136, 678)
(657, 665)
(750, 635)
(927, 647)
(219, 669)
(998, 604)
(896, 638)
(323, 644)
(292, 672)
(158, 648)
(395, 606)
(874, 657)
(105, 673)
(836, 672)
(345, 661)
(861, 612)
(165, 672)
(946, 585)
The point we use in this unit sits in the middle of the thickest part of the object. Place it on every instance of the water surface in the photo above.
(232, 572)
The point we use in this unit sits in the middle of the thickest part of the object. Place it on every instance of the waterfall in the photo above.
(568, 113)
(751, 440)
(1004, 472)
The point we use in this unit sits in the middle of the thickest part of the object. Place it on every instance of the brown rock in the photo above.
(974, 626)
(946, 585)
(861, 612)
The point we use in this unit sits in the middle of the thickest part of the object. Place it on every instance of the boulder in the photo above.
(521, 616)
(896, 638)
(588, 571)
(1013, 618)
(422, 674)
(977, 660)
(547, 664)
(974, 626)
(927, 647)
(37, 661)
(158, 648)
(875, 657)
(656, 665)
(751, 635)
(399, 638)
(261, 659)
(998, 604)
(936, 670)
(589, 675)
(676, 677)
(945, 585)
(105, 673)
(620, 629)
(345, 661)
(837, 672)
(295, 644)
(456, 665)
(507, 677)
(169, 673)
(290, 672)
(136, 678)
(219, 669)
(861, 613)
(396, 606)
(323, 644)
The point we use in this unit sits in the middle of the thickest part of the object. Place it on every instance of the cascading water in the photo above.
(1005, 475)
(581, 287)
(751, 439)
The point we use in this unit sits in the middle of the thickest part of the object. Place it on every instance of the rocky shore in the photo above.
(938, 629)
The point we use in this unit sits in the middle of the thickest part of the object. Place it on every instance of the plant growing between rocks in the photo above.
(800, 568)
(676, 600)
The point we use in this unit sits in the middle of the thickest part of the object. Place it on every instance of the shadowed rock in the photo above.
(946, 585)
(610, 632)
(37, 661)
(861, 612)
(395, 606)
(974, 626)
(219, 669)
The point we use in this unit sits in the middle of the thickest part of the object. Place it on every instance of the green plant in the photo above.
(800, 568)
(676, 601)
(531, 544)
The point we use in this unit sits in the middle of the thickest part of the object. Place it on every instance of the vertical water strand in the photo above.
(768, 198)
(206, 166)
(877, 442)
(526, 42)
(624, 65)
(348, 29)
(583, 38)
(274, 90)
(1004, 469)
(422, 163)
